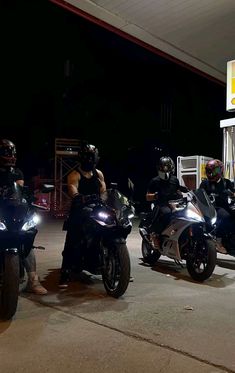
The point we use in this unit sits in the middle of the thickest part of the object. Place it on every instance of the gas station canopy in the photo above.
(198, 34)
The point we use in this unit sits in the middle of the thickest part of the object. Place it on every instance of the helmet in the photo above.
(7, 153)
(214, 170)
(88, 157)
(166, 167)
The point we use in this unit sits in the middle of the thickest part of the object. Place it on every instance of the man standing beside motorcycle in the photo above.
(9, 174)
(221, 187)
(160, 190)
(84, 181)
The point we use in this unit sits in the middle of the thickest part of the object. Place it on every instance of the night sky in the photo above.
(115, 94)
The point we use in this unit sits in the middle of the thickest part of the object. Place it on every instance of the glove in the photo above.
(78, 200)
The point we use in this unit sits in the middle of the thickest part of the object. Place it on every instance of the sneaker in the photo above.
(219, 246)
(34, 286)
(64, 279)
(155, 240)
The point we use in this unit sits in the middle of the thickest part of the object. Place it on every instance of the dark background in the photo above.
(127, 101)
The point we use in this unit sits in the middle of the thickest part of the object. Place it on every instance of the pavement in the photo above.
(165, 322)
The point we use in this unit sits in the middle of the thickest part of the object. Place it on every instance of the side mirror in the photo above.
(47, 188)
(113, 185)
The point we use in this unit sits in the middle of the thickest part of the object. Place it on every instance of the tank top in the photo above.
(89, 186)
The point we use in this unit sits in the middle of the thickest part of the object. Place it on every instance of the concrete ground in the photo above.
(165, 322)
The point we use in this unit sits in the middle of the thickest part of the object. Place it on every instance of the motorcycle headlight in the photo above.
(31, 223)
(213, 220)
(2, 226)
(131, 213)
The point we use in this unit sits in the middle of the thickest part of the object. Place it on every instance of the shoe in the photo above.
(131, 279)
(64, 279)
(219, 246)
(34, 286)
(155, 240)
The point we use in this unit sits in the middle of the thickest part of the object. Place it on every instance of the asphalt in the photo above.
(165, 322)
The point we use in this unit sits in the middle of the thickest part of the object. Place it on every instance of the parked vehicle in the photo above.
(189, 235)
(103, 239)
(18, 221)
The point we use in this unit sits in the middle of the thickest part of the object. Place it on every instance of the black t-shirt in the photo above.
(167, 189)
(218, 188)
(9, 175)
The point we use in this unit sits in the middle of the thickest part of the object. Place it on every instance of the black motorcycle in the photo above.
(103, 239)
(18, 221)
(188, 236)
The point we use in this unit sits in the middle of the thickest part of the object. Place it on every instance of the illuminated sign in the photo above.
(230, 86)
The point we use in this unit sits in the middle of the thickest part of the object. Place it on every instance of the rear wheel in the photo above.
(150, 256)
(202, 264)
(9, 284)
(116, 270)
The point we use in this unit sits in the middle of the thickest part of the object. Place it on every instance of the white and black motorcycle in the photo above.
(188, 236)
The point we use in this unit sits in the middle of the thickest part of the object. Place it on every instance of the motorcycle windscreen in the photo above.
(114, 199)
(204, 203)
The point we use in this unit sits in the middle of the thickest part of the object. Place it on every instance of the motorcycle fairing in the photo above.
(170, 244)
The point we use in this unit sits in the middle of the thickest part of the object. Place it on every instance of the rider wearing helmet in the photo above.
(7, 153)
(217, 184)
(83, 181)
(9, 174)
(160, 190)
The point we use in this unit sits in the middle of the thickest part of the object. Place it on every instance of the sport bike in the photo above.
(188, 236)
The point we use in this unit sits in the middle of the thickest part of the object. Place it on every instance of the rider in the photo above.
(160, 190)
(83, 181)
(8, 174)
(217, 184)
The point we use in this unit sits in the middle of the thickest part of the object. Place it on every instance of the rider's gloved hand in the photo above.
(79, 200)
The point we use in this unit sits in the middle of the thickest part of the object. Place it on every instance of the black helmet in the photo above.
(166, 167)
(88, 157)
(7, 153)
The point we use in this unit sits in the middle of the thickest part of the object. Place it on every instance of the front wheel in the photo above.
(202, 263)
(150, 256)
(9, 284)
(116, 269)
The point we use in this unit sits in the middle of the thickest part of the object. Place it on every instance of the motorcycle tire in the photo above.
(150, 256)
(9, 285)
(116, 271)
(208, 263)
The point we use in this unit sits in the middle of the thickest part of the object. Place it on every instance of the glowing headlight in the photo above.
(2, 226)
(103, 215)
(213, 220)
(31, 223)
(131, 215)
(194, 216)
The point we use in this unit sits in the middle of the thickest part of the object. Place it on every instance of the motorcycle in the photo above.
(188, 236)
(103, 239)
(18, 221)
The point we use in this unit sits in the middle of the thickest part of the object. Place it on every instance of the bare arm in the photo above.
(102, 182)
(73, 183)
(20, 182)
